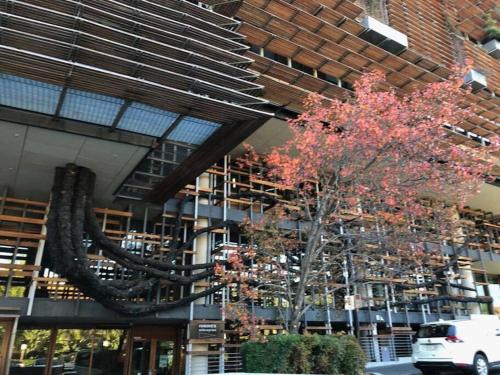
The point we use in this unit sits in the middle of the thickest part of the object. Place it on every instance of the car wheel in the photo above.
(481, 365)
(429, 372)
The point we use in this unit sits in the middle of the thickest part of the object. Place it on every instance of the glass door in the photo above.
(164, 358)
(152, 357)
(154, 351)
(141, 353)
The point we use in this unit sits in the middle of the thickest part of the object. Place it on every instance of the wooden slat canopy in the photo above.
(165, 54)
(323, 37)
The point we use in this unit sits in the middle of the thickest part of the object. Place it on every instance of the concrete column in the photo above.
(366, 292)
(199, 364)
(494, 290)
(450, 277)
(468, 281)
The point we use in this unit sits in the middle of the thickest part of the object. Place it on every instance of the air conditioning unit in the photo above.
(476, 80)
(493, 48)
(384, 36)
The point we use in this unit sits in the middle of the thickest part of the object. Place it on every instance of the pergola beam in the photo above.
(219, 144)
(120, 114)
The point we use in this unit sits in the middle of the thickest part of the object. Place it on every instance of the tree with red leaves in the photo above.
(371, 175)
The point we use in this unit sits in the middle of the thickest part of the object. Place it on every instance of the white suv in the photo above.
(472, 346)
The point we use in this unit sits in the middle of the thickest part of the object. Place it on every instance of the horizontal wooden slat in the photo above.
(28, 267)
(113, 212)
(14, 234)
(21, 219)
(24, 201)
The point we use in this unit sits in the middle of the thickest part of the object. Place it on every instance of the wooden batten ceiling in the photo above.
(154, 53)
(324, 38)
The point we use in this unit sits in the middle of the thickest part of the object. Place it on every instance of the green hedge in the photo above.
(299, 354)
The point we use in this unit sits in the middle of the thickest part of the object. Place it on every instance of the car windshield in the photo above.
(438, 330)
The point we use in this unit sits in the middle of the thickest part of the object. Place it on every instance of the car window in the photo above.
(434, 331)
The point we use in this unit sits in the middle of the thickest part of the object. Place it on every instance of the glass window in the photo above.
(302, 67)
(193, 131)
(91, 351)
(90, 107)
(141, 351)
(29, 353)
(28, 94)
(141, 118)
(484, 308)
(276, 57)
(347, 86)
(255, 49)
(164, 357)
(326, 77)
(442, 330)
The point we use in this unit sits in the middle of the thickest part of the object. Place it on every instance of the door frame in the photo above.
(154, 334)
(6, 346)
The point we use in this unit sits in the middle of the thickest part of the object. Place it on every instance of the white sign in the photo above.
(353, 302)
(163, 361)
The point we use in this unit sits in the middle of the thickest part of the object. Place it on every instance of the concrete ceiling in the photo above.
(487, 200)
(273, 132)
(491, 266)
(28, 156)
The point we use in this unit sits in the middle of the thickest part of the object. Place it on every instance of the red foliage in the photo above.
(376, 155)
(382, 146)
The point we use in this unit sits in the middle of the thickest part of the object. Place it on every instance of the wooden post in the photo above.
(5, 344)
(38, 262)
(127, 363)
(50, 352)
(152, 356)
(91, 359)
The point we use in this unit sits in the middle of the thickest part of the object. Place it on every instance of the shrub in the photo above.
(255, 358)
(352, 358)
(281, 354)
(298, 354)
(491, 28)
(325, 354)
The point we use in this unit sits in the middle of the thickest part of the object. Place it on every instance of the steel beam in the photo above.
(23, 117)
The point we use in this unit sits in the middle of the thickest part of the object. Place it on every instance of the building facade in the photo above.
(156, 97)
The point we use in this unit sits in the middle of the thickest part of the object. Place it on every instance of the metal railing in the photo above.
(233, 362)
(382, 348)
(205, 365)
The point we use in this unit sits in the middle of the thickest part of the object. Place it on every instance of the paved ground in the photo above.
(407, 369)
(403, 369)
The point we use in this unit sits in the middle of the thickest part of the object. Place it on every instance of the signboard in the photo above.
(206, 330)
(353, 302)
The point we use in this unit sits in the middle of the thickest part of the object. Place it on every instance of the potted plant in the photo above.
(492, 42)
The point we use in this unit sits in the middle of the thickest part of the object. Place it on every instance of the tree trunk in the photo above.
(295, 319)
(305, 272)
(297, 305)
